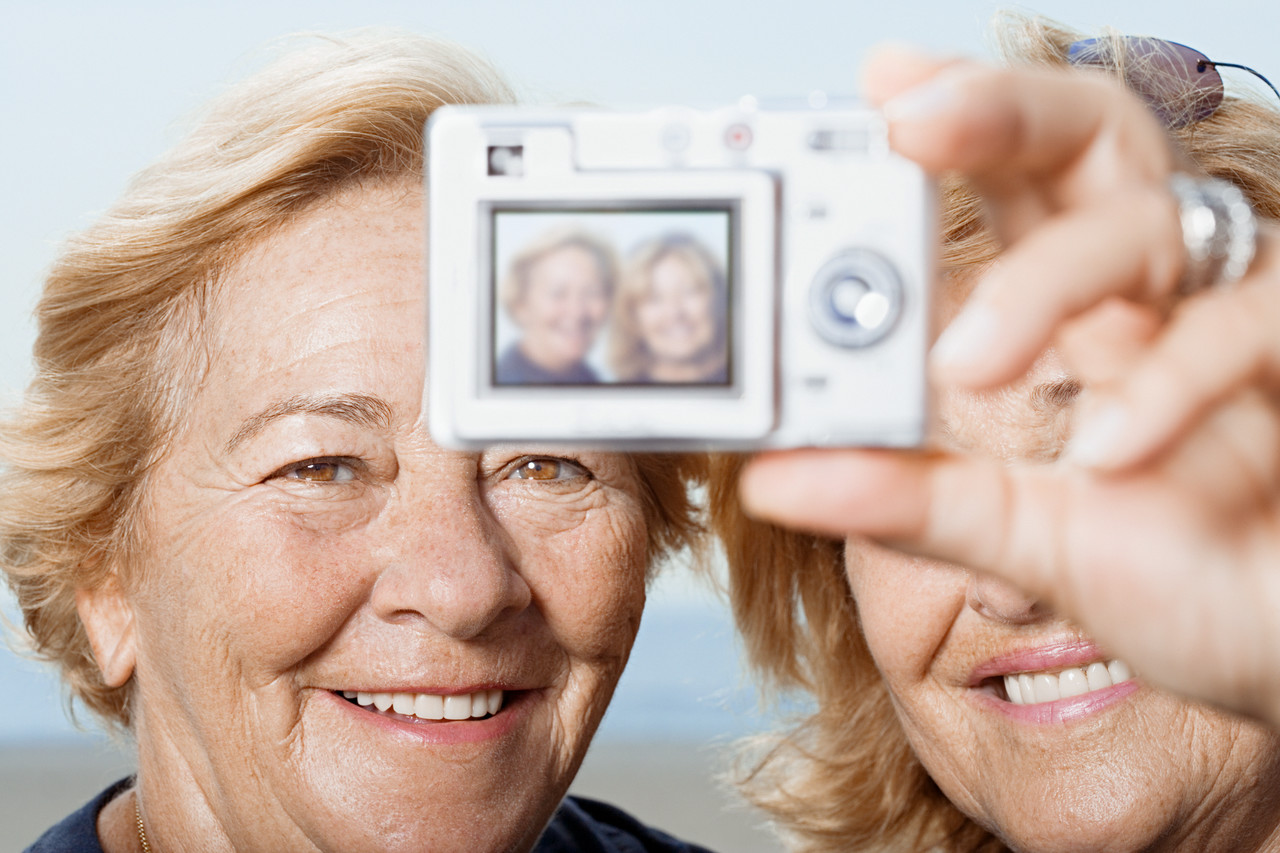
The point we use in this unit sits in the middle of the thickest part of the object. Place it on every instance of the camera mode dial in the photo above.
(855, 299)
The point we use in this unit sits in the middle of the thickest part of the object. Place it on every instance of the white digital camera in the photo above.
(741, 278)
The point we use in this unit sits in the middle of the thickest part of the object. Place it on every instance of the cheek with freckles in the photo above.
(582, 552)
(258, 579)
(247, 556)
(906, 606)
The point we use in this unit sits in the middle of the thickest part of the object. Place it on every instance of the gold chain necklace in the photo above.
(142, 830)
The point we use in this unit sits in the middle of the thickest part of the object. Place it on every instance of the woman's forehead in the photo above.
(362, 242)
(334, 298)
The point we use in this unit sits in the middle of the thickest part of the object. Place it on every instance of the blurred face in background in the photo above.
(563, 305)
(676, 316)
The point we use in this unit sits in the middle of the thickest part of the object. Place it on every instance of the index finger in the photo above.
(1072, 135)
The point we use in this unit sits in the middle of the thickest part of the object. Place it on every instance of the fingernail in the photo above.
(965, 341)
(1095, 440)
(927, 100)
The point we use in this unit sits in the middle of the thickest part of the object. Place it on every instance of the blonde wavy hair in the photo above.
(844, 778)
(120, 322)
(629, 355)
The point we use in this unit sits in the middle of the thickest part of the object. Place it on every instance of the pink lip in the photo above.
(1053, 656)
(444, 732)
(438, 689)
(1061, 711)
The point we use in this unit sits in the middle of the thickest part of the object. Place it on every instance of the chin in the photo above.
(1106, 800)
(1082, 811)
(1064, 835)
(382, 818)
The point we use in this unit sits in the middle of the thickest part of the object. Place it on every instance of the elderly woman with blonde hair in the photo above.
(224, 520)
(1110, 443)
(670, 315)
(557, 289)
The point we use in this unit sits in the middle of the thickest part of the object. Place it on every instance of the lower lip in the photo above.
(445, 732)
(1062, 710)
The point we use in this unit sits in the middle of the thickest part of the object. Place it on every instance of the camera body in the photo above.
(740, 278)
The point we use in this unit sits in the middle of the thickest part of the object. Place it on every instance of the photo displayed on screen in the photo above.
(592, 297)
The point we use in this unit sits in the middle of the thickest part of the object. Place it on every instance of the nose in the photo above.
(450, 568)
(1001, 601)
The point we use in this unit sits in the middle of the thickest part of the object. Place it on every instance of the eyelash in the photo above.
(294, 470)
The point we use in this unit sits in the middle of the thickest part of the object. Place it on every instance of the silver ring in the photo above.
(1219, 231)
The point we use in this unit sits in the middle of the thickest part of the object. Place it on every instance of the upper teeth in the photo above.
(430, 706)
(1029, 688)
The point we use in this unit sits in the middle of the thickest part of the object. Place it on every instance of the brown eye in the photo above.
(321, 471)
(546, 468)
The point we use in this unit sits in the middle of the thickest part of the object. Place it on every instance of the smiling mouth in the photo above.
(678, 331)
(1036, 688)
(430, 706)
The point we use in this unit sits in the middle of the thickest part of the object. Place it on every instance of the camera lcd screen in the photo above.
(615, 297)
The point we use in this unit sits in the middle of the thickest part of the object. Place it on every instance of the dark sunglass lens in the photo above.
(1090, 52)
(1179, 83)
(1203, 95)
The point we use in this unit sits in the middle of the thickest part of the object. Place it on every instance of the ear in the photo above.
(108, 620)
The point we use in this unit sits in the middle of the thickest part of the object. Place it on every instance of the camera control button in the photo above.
(738, 137)
(855, 302)
(855, 299)
(676, 137)
(856, 140)
(507, 160)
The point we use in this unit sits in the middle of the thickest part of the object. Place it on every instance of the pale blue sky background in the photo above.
(92, 91)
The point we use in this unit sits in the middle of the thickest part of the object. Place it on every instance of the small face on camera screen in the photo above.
(628, 297)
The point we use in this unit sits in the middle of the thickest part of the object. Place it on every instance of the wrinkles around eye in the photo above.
(546, 491)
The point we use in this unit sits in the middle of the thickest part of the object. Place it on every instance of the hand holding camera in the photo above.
(1157, 529)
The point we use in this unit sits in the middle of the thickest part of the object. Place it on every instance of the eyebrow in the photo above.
(359, 409)
(1047, 401)
(1055, 395)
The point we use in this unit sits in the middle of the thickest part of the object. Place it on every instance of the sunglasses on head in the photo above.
(1182, 85)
